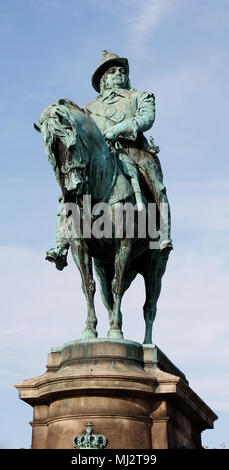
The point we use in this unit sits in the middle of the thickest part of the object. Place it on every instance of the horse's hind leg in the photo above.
(118, 286)
(153, 272)
(84, 263)
(105, 274)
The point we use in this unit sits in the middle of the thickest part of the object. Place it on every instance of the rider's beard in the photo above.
(104, 86)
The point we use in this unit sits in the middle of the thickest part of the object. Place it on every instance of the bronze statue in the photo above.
(123, 113)
(103, 162)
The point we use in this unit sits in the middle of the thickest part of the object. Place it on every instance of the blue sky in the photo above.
(177, 49)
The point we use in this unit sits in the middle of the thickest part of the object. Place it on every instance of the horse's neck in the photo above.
(102, 172)
(102, 168)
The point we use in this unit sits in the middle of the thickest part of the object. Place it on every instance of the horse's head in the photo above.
(66, 145)
(77, 151)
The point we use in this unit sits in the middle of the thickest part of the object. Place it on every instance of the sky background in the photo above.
(177, 49)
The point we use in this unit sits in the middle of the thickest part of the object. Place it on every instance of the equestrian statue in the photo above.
(105, 165)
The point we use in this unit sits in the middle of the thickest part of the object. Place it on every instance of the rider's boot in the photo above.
(165, 243)
(158, 190)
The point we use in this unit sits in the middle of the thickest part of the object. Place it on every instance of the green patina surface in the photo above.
(89, 440)
(101, 151)
(94, 340)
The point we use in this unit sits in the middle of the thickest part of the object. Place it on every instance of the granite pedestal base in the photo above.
(132, 394)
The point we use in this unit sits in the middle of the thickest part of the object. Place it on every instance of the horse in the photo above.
(85, 165)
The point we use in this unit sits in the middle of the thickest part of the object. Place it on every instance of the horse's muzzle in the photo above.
(73, 181)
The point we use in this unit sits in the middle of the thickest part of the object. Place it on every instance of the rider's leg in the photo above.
(131, 171)
(154, 180)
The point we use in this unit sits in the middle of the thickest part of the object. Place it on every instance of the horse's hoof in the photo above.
(115, 334)
(88, 334)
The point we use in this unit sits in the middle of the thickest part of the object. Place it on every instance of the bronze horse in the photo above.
(84, 165)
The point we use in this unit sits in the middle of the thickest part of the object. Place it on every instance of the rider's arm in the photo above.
(145, 113)
(141, 121)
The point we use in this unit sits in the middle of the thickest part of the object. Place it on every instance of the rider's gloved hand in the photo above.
(126, 129)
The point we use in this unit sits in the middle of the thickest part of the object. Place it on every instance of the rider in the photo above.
(122, 114)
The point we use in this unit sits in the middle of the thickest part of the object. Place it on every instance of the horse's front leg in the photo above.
(84, 263)
(120, 265)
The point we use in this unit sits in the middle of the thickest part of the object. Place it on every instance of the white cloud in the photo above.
(202, 207)
(214, 391)
(146, 18)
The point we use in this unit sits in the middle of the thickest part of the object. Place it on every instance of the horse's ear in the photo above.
(62, 101)
(37, 127)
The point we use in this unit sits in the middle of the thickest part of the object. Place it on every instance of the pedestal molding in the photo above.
(135, 404)
(91, 416)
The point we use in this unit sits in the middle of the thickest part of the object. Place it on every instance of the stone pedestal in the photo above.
(131, 393)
